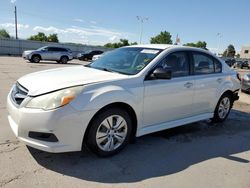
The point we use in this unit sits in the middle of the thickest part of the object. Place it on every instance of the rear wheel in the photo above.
(223, 108)
(109, 132)
(35, 58)
(64, 59)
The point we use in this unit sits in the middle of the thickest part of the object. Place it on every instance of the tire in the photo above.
(64, 59)
(35, 59)
(223, 108)
(109, 132)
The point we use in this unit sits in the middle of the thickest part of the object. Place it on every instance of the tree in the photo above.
(52, 38)
(42, 37)
(4, 34)
(39, 37)
(199, 44)
(123, 42)
(229, 52)
(163, 38)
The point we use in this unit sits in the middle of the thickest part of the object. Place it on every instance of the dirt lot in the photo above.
(199, 155)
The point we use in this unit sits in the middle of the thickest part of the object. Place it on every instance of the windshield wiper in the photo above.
(108, 70)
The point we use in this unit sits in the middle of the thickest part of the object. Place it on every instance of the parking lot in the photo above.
(198, 155)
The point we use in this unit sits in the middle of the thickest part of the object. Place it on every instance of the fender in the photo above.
(95, 97)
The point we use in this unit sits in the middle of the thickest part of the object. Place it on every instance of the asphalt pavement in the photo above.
(197, 155)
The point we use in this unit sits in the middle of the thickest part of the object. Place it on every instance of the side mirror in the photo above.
(161, 73)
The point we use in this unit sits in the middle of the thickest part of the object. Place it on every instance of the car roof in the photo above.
(157, 46)
(170, 46)
(166, 46)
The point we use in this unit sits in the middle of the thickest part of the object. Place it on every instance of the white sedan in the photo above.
(129, 92)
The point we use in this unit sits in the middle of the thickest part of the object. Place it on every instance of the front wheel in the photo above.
(109, 132)
(35, 59)
(223, 108)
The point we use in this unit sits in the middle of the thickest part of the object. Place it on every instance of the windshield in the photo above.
(87, 52)
(39, 49)
(128, 61)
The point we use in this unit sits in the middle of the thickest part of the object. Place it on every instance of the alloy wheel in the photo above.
(111, 133)
(224, 107)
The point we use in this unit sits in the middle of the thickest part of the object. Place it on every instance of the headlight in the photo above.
(55, 99)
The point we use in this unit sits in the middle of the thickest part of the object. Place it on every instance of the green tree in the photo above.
(123, 42)
(4, 34)
(199, 44)
(52, 38)
(229, 52)
(39, 37)
(163, 38)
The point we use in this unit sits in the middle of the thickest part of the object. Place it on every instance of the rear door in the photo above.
(208, 80)
(58, 53)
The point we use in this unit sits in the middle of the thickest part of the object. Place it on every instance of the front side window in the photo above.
(128, 61)
(177, 62)
(51, 49)
(203, 64)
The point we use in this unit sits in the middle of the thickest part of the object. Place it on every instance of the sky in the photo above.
(97, 22)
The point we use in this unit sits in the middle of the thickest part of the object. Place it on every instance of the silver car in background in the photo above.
(58, 54)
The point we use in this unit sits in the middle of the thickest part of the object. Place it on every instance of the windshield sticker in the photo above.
(148, 51)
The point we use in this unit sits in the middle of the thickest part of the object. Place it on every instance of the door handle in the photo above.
(219, 80)
(188, 84)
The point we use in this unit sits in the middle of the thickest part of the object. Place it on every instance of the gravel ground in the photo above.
(198, 155)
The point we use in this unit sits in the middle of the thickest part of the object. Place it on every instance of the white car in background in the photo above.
(95, 57)
(129, 92)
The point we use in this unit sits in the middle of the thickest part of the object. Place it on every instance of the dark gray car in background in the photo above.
(58, 54)
(245, 83)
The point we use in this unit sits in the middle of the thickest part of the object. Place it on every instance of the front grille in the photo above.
(19, 93)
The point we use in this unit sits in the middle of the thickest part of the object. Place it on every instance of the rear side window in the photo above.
(62, 49)
(205, 64)
(55, 49)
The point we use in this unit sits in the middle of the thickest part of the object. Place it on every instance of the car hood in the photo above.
(53, 79)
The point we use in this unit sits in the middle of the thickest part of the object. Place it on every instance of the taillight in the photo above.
(238, 76)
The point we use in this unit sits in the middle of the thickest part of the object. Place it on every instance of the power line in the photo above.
(141, 20)
(16, 21)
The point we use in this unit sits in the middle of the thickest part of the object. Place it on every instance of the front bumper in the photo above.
(25, 56)
(67, 124)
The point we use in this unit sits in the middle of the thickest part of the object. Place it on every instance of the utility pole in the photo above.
(141, 19)
(219, 35)
(16, 22)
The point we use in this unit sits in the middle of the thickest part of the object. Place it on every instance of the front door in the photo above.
(168, 100)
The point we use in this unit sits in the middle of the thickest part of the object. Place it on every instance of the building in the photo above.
(245, 52)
